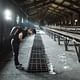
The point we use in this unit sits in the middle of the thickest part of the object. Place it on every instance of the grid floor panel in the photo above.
(38, 62)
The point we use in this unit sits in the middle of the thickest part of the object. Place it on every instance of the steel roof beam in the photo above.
(38, 6)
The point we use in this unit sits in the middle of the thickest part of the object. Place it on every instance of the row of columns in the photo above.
(69, 20)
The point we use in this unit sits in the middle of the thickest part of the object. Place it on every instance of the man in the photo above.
(15, 42)
(18, 36)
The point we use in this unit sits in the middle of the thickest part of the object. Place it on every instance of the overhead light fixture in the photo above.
(49, 11)
(60, 7)
(8, 14)
(50, 8)
(54, 5)
(59, 1)
(66, 3)
(76, 20)
(75, 6)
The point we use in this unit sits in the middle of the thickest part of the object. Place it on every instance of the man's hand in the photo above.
(20, 36)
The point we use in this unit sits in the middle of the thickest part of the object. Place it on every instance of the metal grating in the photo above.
(38, 61)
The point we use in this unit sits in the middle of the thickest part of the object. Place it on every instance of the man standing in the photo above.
(15, 42)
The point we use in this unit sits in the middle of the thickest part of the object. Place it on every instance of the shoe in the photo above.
(20, 64)
(19, 67)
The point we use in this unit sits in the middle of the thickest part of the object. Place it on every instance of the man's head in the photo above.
(29, 31)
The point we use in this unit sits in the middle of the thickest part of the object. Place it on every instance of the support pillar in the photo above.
(66, 44)
(58, 40)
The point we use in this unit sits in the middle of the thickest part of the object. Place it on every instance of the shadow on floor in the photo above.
(4, 59)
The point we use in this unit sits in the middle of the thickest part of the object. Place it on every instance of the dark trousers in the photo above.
(15, 46)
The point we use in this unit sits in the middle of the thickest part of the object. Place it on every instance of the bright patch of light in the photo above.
(8, 18)
(17, 19)
(36, 25)
(41, 32)
(22, 20)
(8, 14)
(66, 67)
(76, 20)
(51, 69)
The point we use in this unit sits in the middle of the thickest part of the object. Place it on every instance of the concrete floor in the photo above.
(64, 63)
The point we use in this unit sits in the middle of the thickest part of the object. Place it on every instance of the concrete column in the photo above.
(20, 19)
(63, 20)
(66, 21)
(72, 20)
(15, 18)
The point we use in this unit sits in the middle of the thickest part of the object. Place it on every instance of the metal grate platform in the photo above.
(38, 61)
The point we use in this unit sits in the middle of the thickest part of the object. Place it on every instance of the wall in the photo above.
(6, 26)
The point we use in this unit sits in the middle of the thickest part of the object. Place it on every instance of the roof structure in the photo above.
(41, 8)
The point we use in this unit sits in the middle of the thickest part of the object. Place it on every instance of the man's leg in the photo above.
(15, 47)
(16, 53)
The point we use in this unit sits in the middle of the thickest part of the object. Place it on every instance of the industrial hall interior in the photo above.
(39, 39)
